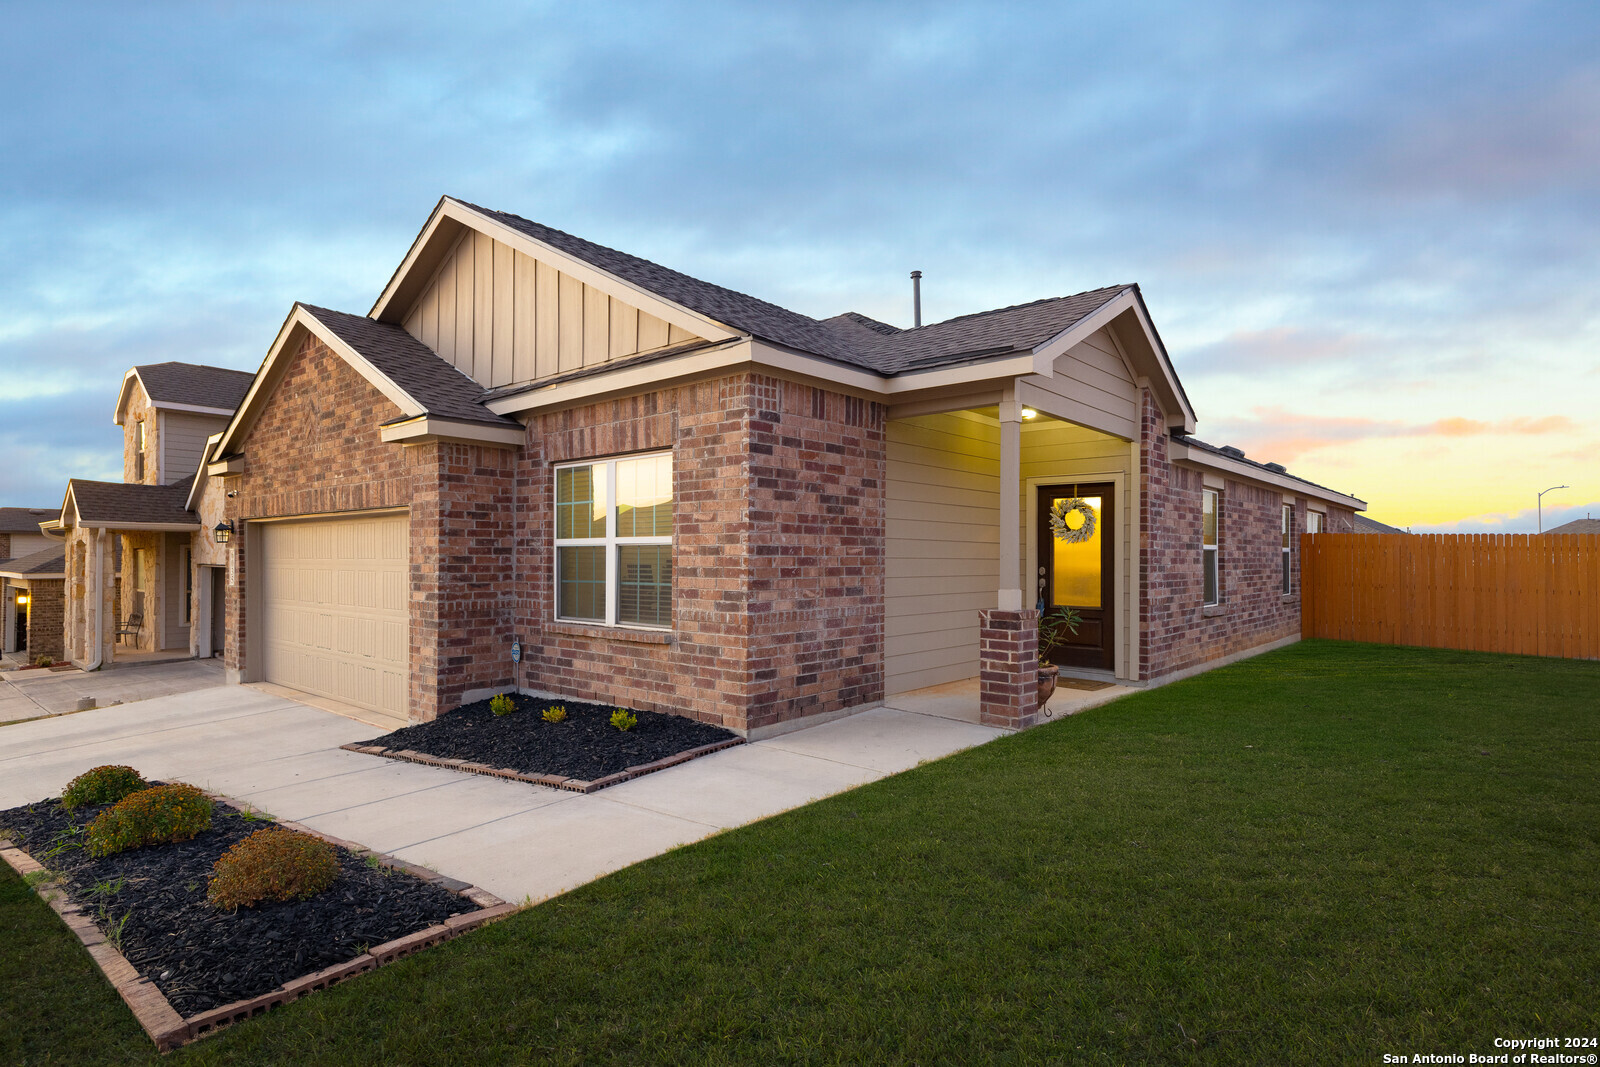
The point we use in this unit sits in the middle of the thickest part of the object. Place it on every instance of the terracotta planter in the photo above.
(1047, 682)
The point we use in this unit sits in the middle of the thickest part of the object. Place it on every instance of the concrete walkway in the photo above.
(515, 840)
(34, 694)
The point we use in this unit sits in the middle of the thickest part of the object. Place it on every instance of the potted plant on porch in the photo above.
(1054, 629)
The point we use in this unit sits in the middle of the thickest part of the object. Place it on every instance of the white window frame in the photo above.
(1212, 550)
(610, 541)
(1287, 579)
(1314, 521)
(139, 450)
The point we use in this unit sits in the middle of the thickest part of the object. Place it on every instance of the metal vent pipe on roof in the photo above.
(916, 298)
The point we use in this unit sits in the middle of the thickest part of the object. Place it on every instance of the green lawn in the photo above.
(1317, 856)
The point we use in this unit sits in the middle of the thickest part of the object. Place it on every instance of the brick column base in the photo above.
(1008, 668)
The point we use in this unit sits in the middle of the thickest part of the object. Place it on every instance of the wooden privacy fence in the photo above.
(1537, 595)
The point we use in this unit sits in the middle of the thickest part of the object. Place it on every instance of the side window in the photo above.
(1208, 546)
(138, 455)
(1288, 534)
(613, 541)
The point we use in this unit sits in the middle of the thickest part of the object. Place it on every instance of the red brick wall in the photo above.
(47, 603)
(1178, 631)
(316, 450)
(777, 553)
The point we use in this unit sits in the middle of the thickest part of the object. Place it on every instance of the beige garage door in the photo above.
(335, 608)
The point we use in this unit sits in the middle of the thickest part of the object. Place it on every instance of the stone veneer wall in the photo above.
(1178, 630)
(316, 450)
(777, 553)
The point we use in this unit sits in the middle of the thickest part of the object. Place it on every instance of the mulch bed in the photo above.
(151, 904)
(584, 749)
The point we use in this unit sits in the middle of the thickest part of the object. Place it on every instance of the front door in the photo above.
(1075, 533)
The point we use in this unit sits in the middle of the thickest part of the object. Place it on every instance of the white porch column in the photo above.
(1010, 511)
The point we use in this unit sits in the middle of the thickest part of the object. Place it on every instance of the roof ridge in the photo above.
(1018, 307)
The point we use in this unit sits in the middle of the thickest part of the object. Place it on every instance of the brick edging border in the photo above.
(160, 1019)
(576, 785)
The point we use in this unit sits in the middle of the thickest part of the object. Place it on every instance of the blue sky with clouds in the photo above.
(1367, 231)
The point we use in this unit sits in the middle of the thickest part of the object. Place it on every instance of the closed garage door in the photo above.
(335, 608)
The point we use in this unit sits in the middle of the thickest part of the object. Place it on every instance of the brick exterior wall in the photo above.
(1008, 676)
(777, 553)
(46, 617)
(1177, 630)
(5, 545)
(316, 450)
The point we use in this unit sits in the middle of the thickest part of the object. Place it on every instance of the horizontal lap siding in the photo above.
(943, 547)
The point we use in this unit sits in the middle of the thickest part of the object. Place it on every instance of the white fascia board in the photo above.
(1163, 360)
(590, 275)
(425, 428)
(861, 380)
(21, 577)
(1178, 452)
(197, 409)
(197, 486)
(118, 525)
(122, 394)
(231, 465)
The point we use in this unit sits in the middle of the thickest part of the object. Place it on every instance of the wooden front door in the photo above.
(1077, 572)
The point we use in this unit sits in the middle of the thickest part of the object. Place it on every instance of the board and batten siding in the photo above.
(503, 317)
(943, 546)
(183, 441)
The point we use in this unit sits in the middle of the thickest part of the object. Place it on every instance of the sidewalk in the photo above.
(35, 694)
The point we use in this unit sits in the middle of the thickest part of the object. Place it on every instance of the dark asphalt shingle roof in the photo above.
(1365, 525)
(849, 338)
(103, 503)
(193, 383)
(427, 378)
(1195, 442)
(1578, 526)
(25, 520)
(52, 560)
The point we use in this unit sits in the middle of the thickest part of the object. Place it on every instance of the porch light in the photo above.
(223, 532)
(1029, 413)
(22, 600)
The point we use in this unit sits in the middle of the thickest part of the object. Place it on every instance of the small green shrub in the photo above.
(272, 865)
(158, 815)
(101, 785)
(44, 660)
(501, 704)
(555, 713)
(624, 720)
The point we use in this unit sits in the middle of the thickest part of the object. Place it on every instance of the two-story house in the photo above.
(134, 548)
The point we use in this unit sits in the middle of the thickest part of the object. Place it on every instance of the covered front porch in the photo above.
(972, 560)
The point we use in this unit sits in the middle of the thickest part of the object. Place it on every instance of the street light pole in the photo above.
(1552, 489)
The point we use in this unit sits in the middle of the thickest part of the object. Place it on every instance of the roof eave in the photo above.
(1178, 452)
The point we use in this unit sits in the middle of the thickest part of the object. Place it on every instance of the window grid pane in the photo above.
(644, 497)
(582, 586)
(1209, 561)
(644, 585)
(580, 502)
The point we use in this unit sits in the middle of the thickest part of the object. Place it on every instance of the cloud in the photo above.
(1283, 435)
(1521, 521)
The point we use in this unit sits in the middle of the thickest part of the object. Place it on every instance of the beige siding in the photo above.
(943, 546)
(1092, 385)
(503, 317)
(183, 441)
(26, 544)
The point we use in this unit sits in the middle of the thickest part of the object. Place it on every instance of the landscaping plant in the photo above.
(501, 704)
(555, 713)
(272, 865)
(160, 814)
(44, 660)
(624, 720)
(101, 785)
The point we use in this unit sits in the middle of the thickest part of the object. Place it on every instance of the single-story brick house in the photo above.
(30, 586)
(540, 463)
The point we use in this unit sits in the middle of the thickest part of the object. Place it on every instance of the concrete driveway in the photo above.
(517, 840)
(35, 694)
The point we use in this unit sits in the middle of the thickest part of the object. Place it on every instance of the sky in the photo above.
(1368, 233)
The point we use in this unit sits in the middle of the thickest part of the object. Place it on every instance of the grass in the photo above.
(1320, 855)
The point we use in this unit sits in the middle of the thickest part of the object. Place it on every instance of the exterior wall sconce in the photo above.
(1029, 413)
(223, 532)
(22, 600)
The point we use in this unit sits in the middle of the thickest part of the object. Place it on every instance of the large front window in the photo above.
(614, 541)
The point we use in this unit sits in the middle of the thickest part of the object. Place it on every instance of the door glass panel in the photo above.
(1077, 564)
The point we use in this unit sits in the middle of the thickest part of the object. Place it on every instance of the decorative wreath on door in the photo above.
(1061, 513)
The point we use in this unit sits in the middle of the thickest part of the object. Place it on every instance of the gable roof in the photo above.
(186, 387)
(24, 520)
(1365, 525)
(1577, 526)
(48, 562)
(127, 505)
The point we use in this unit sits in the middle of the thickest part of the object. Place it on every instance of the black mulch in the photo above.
(586, 746)
(151, 903)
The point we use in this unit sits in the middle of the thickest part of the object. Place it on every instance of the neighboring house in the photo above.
(1364, 525)
(1577, 526)
(134, 548)
(545, 464)
(30, 585)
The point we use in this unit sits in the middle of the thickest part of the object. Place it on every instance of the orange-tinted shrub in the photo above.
(160, 814)
(272, 865)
